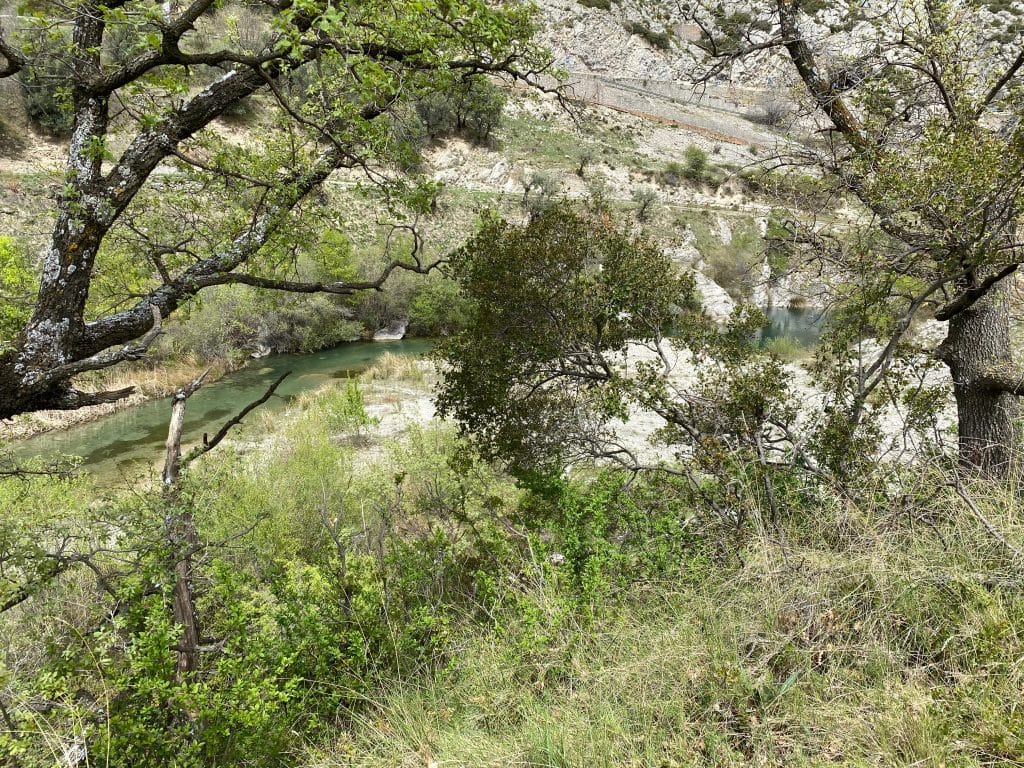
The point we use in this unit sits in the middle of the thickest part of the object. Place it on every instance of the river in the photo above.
(130, 441)
(803, 326)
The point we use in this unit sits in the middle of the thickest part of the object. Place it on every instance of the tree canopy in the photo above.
(552, 303)
(153, 192)
(918, 107)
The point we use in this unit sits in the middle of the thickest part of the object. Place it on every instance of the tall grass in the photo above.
(862, 635)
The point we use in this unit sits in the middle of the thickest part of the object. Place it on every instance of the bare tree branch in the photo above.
(16, 60)
(211, 443)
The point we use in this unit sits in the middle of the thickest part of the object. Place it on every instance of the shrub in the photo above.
(695, 163)
(17, 288)
(438, 308)
(540, 192)
(471, 109)
(673, 174)
(411, 137)
(799, 190)
(613, 530)
(646, 200)
(43, 82)
(228, 322)
(242, 112)
(603, 5)
(772, 112)
(694, 168)
(586, 156)
(661, 40)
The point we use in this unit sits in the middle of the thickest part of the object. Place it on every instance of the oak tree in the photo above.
(153, 190)
(917, 108)
(577, 326)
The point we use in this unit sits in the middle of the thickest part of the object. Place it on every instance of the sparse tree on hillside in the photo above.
(920, 104)
(154, 195)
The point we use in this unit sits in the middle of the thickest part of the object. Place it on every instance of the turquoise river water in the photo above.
(129, 441)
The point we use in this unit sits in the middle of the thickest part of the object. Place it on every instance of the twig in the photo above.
(993, 531)
(211, 443)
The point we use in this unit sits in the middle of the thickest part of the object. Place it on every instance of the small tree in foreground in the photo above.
(575, 324)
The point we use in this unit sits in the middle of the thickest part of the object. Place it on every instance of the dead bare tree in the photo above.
(182, 537)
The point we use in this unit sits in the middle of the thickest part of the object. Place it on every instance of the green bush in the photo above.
(799, 190)
(410, 136)
(613, 530)
(661, 40)
(695, 163)
(471, 109)
(44, 82)
(646, 201)
(673, 174)
(695, 168)
(540, 192)
(438, 308)
(232, 321)
(18, 284)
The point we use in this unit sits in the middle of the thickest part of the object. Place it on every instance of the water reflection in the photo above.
(800, 325)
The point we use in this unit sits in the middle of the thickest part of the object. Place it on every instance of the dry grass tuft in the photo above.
(392, 367)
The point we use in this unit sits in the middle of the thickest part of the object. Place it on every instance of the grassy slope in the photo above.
(867, 637)
(880, 626)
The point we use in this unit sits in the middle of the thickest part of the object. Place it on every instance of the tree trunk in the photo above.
(976, 346)
(182, 537)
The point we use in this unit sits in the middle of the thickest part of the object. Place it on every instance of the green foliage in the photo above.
(733, 30)
(18, 284)
(540, 192)
(673, 174)
(887, 651)
(612, 531)
(342, 410)
(733, 264)
(778, 242)
(695, 168)
(661, 40)
(569, 283)
(232, 321)
(438, 308)
(45, 80)
(329, 583)
(227, 322)
(363, 611)
(695, 163)
(471, 109)
(646, 200)
(798, 190)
